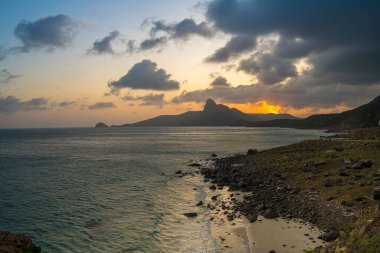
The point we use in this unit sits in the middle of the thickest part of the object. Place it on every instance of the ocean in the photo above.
(114, 189)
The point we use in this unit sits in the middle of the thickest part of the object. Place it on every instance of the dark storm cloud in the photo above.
(152, 43)
(145, 75)
(162, 32)
(295, 96)
(101, 105)
(104, 46)
(6, 76)
(234, 47)
(268, 68)
(11, 104)
(339, 38)
(220, 81)
(183, 29)
(46, 33)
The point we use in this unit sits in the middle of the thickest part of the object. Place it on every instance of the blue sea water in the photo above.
(113, 189)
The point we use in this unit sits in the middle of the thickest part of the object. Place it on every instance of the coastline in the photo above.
(325, 185)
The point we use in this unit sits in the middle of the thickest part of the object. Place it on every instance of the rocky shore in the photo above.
(17, 243)
(331, 184)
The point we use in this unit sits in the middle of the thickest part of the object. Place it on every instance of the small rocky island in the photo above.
(100, 125)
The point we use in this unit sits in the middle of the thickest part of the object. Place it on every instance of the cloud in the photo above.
(11, 104)
(183, 29)
(268, 68)
(220, 82)
(104, 46)
(179, 31)
(145, 76)
(6, 76)
(153, 99)
(295, 95)
(66, 103)
(338, 38)
(152, 43)
(49, 32)
(3, 53)
(234, 47)
(101, 105)
(149, 99)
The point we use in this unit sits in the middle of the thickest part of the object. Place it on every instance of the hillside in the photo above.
(364, 116)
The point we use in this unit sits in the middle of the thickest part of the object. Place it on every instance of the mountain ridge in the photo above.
(213, 114)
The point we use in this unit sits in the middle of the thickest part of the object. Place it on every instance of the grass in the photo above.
(366, 245)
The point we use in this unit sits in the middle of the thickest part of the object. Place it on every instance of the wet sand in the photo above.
(262, 236)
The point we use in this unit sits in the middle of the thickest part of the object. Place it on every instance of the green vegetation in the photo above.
(365, 245)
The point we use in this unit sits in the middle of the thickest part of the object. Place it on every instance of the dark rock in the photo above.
(357, 166)
(252, 151)
(344, 173)
(230, 217)
(178, 172)
(376, 193)
(272, 251)
(338, 149)
(191, 215)
(367, 163)
(270, 214)
(17, 243)
(215, 197)
(328, 183)
(242, 185)
(347, 203)
(214, 155)
(252, 217)
(200, 203)
(320, 163)
(212, 187)
(194, 165)
(330, 236)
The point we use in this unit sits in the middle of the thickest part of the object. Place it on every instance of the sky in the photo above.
(75, 63)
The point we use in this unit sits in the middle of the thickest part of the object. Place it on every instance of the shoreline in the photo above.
(316, 182)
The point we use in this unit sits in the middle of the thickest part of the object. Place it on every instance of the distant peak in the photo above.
(210, 104)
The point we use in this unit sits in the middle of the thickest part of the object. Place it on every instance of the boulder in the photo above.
(270, 214)
(376, 193)
(330, 236)
(252, 151)
(357, 166)
(252, 217)
(200, 203)
(367, 163)
(17, 243)
(191, 215)
(212, 187)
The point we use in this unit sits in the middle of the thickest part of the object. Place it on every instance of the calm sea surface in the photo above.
(113, 189)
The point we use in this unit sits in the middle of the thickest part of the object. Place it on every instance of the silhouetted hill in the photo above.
(100, 125)
(367, 115)
(212, 115)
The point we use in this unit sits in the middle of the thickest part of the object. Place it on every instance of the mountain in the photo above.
(367, 115)
(212, 115)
